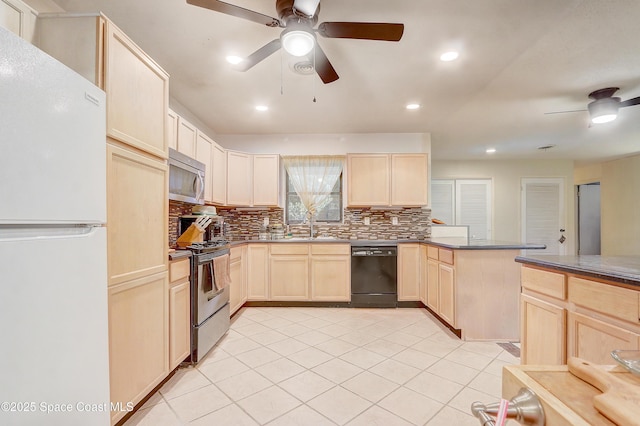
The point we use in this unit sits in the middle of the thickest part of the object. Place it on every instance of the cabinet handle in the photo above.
(525, 408)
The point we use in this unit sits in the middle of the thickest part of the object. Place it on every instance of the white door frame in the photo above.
(562, 220)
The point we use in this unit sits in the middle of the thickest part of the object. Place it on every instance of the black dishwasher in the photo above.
(374, 277)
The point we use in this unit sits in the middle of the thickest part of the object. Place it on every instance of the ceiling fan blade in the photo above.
(563, 112)
(325, 70)
(259, 55)
(306, 7)
(237, 11)
(362, 30)
(630, 102)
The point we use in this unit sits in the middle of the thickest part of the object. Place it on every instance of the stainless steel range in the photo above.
(209, 295)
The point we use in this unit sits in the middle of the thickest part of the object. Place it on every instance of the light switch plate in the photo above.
(367, 220)
(394, 220)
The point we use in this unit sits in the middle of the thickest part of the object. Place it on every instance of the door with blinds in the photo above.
(543, 214)
(464, 202)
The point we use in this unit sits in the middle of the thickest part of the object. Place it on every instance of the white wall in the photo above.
(506, 176)
(327, 144)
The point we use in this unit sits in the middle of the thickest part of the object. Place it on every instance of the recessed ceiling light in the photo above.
(449, 56)
(491, 150)
(235, 60)
(262, 108)
(413, 106)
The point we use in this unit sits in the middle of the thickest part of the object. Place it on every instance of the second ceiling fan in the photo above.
(298, 18)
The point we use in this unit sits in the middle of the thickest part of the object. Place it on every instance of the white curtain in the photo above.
(313, 178)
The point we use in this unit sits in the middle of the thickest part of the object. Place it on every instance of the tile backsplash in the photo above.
(245, 224)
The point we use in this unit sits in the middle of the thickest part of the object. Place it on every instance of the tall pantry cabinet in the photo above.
(137, 210)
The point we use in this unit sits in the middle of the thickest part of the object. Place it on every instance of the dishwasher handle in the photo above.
(374, 251)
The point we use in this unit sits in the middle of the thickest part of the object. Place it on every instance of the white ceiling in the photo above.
(519, 59)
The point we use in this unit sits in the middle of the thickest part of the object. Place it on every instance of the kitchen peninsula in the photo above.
(579, 306)
(473, 287)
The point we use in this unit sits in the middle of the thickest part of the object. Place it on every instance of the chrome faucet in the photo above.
(309, 217)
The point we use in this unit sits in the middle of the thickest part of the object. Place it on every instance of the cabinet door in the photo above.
(409, 179)
(187, 137)
(18, 17)
(137, 215)
(235, 290)
(138, 341)
(137, 95)
(179, 323)
(432, 286)
(239, 179)
(543, 332)
(204, 147)
(266, 180)
(408, 272)
(172, 129)
(423, 274)
(289, 277)
(330, 278)
(368, 178)
(257, 271)
(218, 174)
(593, 340)
(447, 293)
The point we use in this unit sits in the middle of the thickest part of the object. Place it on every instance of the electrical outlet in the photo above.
(367, 220)
(394, 220)
(265, 221)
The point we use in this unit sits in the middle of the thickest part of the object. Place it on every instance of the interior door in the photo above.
(543, 217)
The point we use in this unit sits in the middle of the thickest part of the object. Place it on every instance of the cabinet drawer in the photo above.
(550, 283)
(611, 300)
(178, 270)
(445, 256)
(432, 252)
(336, 249)
(286, 248)
(235, 253)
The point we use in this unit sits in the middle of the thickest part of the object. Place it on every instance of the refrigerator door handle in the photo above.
(39, 232)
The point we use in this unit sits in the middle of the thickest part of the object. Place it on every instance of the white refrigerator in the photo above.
(54, 352)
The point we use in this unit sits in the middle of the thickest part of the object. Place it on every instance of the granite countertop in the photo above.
(179, 254)
(623, 269)
(458, 243)
(447, 242)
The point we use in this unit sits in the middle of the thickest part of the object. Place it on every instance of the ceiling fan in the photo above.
(604, 107)
(298, 18)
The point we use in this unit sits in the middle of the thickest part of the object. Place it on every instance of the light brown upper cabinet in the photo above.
(187, 138)
(172, 129)
(252, 179)
(387, 179)
(239, 178)
(266, 172)
(218, 174)
(204, 154)
(97, 49)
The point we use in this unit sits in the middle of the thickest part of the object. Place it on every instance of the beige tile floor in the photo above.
(327, 366)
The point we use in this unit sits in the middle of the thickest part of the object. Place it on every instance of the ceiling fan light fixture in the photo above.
(234, 60)
(604, 110)
(413, 106)
(449, 56)
(298, 42)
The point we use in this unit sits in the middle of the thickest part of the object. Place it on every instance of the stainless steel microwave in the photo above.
(186, 178)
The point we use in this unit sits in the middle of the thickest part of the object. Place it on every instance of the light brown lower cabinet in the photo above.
(543, 334)
(447, 293)
(432, 285)
(138, 338)
(569, 315)
(179, 312)
(330, 272)
(408, 272)
(237, 290)
(258, 272)
(289, 277)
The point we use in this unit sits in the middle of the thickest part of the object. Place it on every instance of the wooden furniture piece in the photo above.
(474, 291)
(187, 136)
(568, 314)
(387, 179)
(409, 272)
(237, 272)
(17, 17)
(566, 399)
(179, 311)
(289, 272)
(330, 272)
